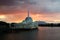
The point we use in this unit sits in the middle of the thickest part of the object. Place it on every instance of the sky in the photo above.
(40, 10)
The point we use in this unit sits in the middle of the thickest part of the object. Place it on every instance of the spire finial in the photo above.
(28, 12)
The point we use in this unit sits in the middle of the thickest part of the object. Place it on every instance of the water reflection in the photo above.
(49, 33)
(43, 33)
(22, 35)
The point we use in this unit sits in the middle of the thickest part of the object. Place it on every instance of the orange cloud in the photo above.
(20, 16)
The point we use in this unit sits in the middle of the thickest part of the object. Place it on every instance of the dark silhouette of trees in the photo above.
(4, 26)
(50, 24)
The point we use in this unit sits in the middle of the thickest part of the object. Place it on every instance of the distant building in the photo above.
(41, 22)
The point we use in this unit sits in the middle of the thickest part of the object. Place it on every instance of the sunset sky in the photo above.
(40, 10)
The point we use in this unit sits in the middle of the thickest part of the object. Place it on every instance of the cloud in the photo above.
(6, 2)
(15, 2)
(15, 9)
(47, 5)
(11, 6)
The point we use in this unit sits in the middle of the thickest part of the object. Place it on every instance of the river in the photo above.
(43, 33)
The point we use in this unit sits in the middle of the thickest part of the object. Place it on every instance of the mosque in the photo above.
(26, 24)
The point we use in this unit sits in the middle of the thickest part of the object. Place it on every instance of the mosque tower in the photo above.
(28, 13)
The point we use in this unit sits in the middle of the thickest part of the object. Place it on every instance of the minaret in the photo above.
(28, 12)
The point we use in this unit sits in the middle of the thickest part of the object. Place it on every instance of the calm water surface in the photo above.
(43, 33)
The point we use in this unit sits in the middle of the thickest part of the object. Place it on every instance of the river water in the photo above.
(43, 33)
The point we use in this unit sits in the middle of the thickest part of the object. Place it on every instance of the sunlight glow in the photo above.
(2, 16)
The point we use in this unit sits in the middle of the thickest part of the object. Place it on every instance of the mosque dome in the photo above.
(28, 19)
